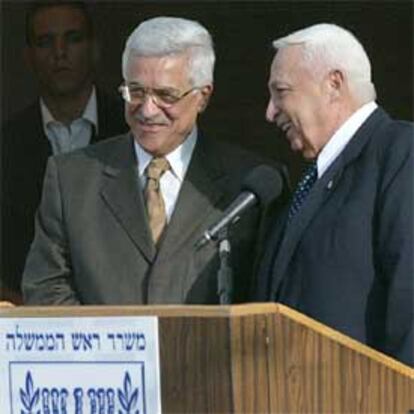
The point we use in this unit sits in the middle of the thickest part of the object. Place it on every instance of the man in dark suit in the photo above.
(119, 220)
(71, 113)
(343, 251)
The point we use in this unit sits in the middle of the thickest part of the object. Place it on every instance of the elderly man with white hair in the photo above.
(342, 252)
(119, 220)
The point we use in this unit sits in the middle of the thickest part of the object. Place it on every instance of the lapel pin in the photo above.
(329, 185)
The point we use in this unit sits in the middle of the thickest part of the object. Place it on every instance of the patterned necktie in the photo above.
(155, 203)
(309, 177)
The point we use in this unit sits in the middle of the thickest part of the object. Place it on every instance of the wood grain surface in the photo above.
(260, 358)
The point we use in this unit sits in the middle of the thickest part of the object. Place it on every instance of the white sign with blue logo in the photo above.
(85, 365)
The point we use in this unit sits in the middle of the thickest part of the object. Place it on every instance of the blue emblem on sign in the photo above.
(38, 400)
(29, 396)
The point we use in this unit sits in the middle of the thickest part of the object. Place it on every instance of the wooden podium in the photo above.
(260, 358)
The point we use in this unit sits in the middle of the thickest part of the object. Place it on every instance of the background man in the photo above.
(118, 221)
(71, 113)
(343, 251)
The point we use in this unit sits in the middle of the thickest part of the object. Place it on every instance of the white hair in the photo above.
(163, 36)
(328, 47)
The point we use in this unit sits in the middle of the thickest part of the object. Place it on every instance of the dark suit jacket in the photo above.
(346, 259)
(25, 150)
(93, 243)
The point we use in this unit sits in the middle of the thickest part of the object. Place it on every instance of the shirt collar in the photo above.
(90, 112)
(342, 136)
(179, 159)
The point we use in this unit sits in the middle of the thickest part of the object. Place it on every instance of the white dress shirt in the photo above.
(342, 136)
(171, 180)
(64, 138)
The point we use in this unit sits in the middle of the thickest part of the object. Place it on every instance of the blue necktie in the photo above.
(309, 177)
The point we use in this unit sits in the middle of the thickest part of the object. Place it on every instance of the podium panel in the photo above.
(258, 358)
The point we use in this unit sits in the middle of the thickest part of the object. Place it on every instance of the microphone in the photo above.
(262, 185)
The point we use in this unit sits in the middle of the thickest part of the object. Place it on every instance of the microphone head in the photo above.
(265, 182)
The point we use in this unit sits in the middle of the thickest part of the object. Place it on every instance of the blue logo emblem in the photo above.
(52, 400)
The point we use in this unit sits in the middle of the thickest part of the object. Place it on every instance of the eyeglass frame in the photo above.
(124, 89)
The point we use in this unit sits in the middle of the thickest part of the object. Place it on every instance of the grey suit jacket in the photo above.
(92, 242)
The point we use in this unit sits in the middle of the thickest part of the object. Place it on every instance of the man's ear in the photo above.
(336, 83)
(206, 92)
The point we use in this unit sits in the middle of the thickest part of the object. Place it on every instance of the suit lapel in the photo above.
(291, 233)
(323, 189)
(199, 195)
(42, 142)
(37, 149)
(199, 198)
(103, 118)
(121, 192)
(273, 236)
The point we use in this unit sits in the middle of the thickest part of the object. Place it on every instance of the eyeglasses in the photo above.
(164, 98)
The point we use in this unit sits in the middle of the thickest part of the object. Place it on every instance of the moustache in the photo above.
(157, 120)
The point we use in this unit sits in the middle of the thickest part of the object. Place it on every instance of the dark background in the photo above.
(242, 32)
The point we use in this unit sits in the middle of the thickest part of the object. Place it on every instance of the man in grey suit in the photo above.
(343, 251)
(118, 220)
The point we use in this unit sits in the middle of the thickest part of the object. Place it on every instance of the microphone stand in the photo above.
(225, 272)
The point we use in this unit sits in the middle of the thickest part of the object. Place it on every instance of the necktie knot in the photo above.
(157, 167)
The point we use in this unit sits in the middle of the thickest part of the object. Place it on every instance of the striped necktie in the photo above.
(155, 203)
(308, 179)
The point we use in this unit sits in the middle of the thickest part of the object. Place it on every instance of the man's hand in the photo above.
(5, 304)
